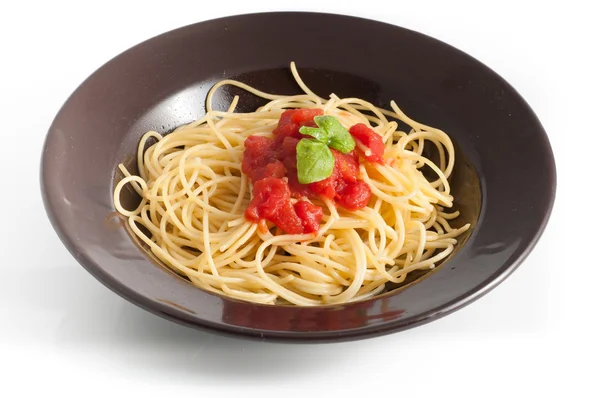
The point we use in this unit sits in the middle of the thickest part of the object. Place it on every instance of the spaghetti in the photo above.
(194, 195)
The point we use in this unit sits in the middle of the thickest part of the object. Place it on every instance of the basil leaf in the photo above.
(320, 134)
(338, 137)
(329, 123)
(314, 161)
(343, 142)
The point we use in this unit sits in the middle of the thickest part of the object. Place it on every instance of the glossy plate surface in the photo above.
(506, 190)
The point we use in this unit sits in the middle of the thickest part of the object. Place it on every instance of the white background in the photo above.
(62, 332)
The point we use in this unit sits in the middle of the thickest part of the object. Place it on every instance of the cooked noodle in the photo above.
(194, 195)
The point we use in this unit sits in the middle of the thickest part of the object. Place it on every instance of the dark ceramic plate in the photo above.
(505, 187)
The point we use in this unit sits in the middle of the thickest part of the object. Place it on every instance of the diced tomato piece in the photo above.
(370, 139)
(286, 117)
(287, 130)
(287, 152)
(292, 119)
(326, 187)
(310, 215)
(258, 153)
(347, 165)
(274, 170)
(298, 190)
(271, 200)
(256, 149)
(355, 196)
(344, 172)
(302, 117)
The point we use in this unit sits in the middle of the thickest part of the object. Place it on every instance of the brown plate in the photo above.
(504, 181)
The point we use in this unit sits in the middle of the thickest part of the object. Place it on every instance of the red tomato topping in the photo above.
(344, 174)
(271, 201)
(304, 117)
(347, 165)
(258, 153)
(298, 190)
(287, 153)
(267, 161)
(371, 140)
(285, 118)
(292, 119)
(310, 215)
(275, 170)
(355, 196)
(287, 130)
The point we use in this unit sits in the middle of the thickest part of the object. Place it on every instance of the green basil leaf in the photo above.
(343, 142)
(320, 134)
(338, 137)
(314, 161)
(328, 123)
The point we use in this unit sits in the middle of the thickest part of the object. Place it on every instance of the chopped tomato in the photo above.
(285, 118)
(291, 120)
(267, 161)
(345, 172)
(371, 140)
(304, 117)
(258, 154)
(271, 201)
(347, 165)
(310, 215)
(275, 169)
(287, 130)
(355, 196)
(298, 190)
(324, 188)
(287, 152)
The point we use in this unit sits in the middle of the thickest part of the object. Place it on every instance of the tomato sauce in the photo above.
(369, 139)
(267, 161)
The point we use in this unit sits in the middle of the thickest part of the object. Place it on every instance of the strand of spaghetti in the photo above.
(138, 189)
(287, 294)
(427, 263)
(315, 288)
(117, 195)
(371, 290)
(235, 237)
(300, 82)
(140, 154)
(365, 105)
(172, 260)
(360, 268)
(238, 84)
(305, 271)
(294, 101)
(441, 135)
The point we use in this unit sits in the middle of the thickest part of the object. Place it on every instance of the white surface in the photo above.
(62, 331)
